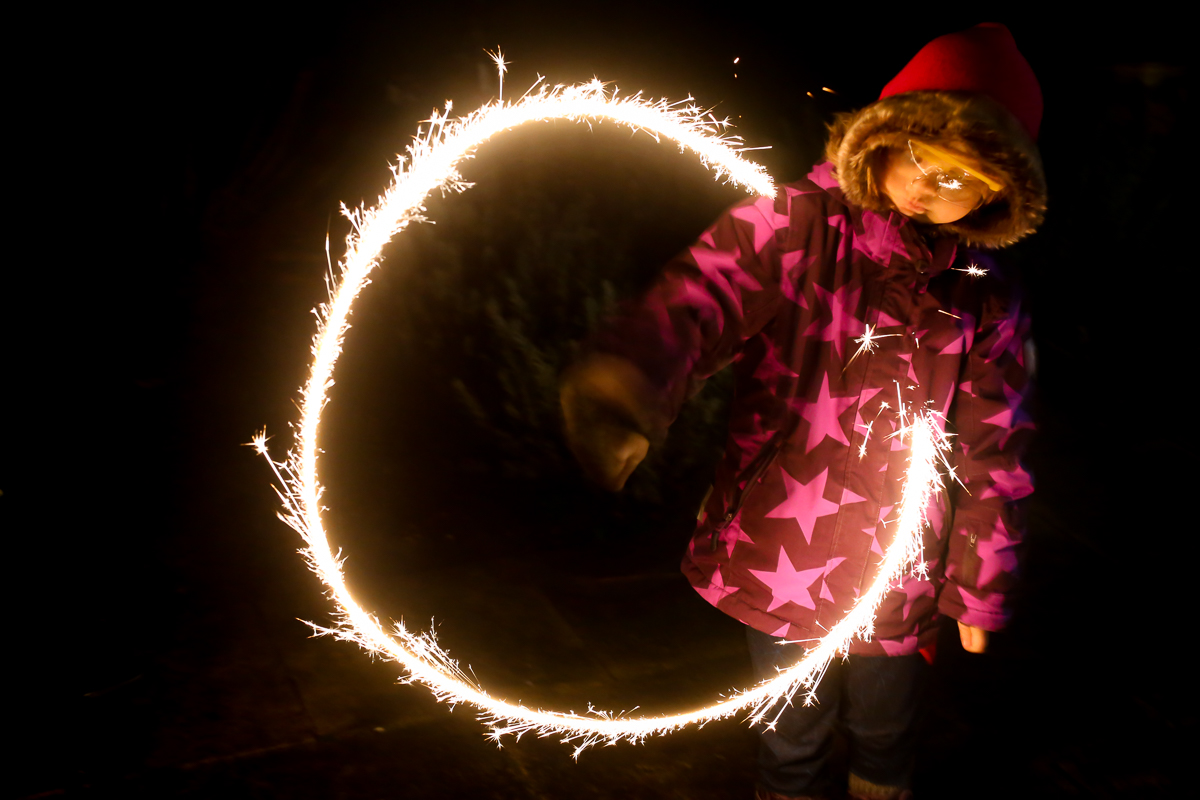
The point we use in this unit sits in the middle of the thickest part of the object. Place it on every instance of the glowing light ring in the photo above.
(432, 163)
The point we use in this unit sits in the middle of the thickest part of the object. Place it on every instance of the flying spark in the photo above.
(862, 448)
(432, 164)
(501, 67)
(259, 442)
(972, 269)
(867, 343)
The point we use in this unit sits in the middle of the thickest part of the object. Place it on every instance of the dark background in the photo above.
(184, 169)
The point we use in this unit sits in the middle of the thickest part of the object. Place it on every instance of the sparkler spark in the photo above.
(501, 67)
(972, 269)
(259, 442)
(867, 343)
(433, 163)
(862, 448)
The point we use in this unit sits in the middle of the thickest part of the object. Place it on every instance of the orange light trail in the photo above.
(432, 164)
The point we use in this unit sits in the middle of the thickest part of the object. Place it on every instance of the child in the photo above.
(884, 236)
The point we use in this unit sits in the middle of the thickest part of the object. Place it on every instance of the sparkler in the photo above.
(867, 343)
(501, 67)
(862, 448)
(972, 269)
(432, 164)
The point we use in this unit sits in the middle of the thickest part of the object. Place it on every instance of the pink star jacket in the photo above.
(804, 500)
(783, 287)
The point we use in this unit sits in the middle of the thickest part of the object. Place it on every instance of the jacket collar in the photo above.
(936, 252)
(884, 237)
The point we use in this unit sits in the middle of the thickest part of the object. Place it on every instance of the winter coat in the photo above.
(803, 504)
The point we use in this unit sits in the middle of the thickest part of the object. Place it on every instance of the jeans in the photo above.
(873, 699)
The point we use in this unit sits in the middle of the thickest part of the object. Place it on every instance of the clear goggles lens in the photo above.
(947, 177)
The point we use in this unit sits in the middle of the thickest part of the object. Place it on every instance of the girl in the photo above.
(889, 236)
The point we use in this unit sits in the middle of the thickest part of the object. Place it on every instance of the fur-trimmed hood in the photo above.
(859, 141)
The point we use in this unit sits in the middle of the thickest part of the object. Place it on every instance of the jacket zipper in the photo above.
(971, 559)
(751, 476)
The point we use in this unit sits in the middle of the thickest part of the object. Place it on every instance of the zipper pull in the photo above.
(715, 537)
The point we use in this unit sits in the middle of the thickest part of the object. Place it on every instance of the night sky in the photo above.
(183, 169)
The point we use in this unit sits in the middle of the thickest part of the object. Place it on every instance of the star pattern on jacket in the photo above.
(849, 497)
(874, 529)
(805, 502)
(822, 416)
(1012, 399)
(830, 566)
(840, 223)
(870, 531)
(843, 322)
(1011, 484)
(997, 554)
(980, 608)
(861, 426)
(914, 588)
(787, 584)
(732, 535)
(772, 365)
(908, 359)
(1003, 337)
(717, 267)
(901, 647)
(956, 345)
(763, 219)
(716, 588)
(879, 240)
(793, 265)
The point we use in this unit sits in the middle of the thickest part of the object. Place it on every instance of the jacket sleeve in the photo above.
(993, 430)
(708, 301)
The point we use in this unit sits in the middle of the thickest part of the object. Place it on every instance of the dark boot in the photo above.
(862, 789)
(766, 794)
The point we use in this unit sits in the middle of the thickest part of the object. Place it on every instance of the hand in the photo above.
(610, 455)
(974, 640)
(602, 416)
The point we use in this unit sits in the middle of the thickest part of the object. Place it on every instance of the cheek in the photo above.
(889, 184)
(892, 183)
(900, 178)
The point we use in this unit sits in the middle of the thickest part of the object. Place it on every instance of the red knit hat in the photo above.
(982, 59)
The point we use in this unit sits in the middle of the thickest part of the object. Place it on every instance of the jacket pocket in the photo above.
(748, 479)
(970, 562)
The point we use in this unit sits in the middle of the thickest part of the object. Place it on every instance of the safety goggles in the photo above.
(949, 177)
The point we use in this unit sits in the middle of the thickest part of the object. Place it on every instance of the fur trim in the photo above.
(859, 141)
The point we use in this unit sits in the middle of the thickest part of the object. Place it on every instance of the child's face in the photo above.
(917, 182)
